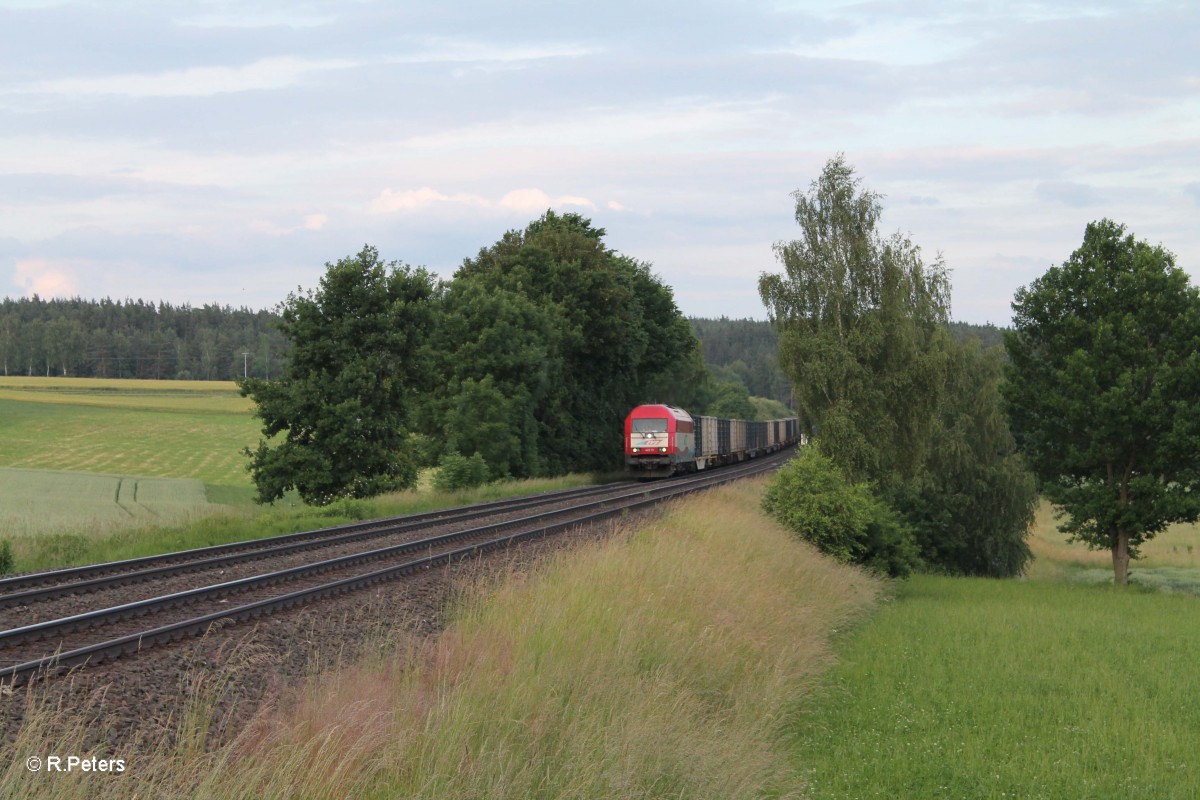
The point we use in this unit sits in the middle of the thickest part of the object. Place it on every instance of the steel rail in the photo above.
(103, 651)
(90, 578)
(104, 616)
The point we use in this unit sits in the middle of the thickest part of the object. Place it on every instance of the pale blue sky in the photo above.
(224, 151)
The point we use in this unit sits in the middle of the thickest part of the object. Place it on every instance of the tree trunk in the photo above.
(1120, 557)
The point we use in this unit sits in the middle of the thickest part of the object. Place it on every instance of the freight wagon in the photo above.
(664, 440)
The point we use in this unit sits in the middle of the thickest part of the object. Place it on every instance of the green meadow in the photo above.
(973, 688)
(161, 429)
(1059, 685)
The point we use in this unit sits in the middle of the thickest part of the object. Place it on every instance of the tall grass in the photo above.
(663, 663)
(93, 537)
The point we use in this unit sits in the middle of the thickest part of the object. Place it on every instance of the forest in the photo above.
(137, 339)
(140, 339)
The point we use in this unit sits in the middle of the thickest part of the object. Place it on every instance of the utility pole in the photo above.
(245, 365)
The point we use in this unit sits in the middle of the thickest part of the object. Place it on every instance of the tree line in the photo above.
(139, 339)
(136, 339)
(745, 352)
(526, 361)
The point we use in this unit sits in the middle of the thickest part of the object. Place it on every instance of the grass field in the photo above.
(163, 429)
(973, 688)
(689, 660)
(1058, 686)
(34, 502)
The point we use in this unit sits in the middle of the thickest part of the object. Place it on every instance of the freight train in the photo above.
(663, 440)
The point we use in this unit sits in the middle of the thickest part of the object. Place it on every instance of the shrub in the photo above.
(350, 508)
(6, 557)
(810, 497)
(459, 472)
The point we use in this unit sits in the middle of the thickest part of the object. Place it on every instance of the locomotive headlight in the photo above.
(637, 449)
(662, 449)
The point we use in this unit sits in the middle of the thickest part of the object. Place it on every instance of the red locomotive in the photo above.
(663, 440)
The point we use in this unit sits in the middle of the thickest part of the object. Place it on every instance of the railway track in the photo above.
(24, 590)
(101, 634)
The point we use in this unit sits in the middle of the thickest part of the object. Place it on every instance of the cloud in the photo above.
(46, 278)
(1069, 193)
(526, 201)
(1194, 190)
(311, 222)
(535, 201)
(389, 201)
(1078, 61)
(266, 73)
(236, 17)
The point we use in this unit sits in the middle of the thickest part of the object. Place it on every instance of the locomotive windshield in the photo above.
(649, 426)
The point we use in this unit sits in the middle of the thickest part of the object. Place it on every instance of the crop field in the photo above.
(163, 429)
(82, 458)
(95, 470)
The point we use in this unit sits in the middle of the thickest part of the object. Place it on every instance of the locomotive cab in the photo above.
(659, 441)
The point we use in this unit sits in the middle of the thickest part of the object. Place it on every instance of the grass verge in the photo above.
(662, 663)
(92, 540)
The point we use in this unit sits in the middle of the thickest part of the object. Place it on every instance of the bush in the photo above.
(6, 557)
(350, 508)
(459, 472)
(810, 497)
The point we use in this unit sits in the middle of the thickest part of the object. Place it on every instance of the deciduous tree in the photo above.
(971, 505)
(1103, 390)
(862, 323)
(858, 316)
(342, 405)
(583, 334)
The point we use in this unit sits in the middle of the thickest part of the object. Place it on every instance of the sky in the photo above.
(223, 152)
